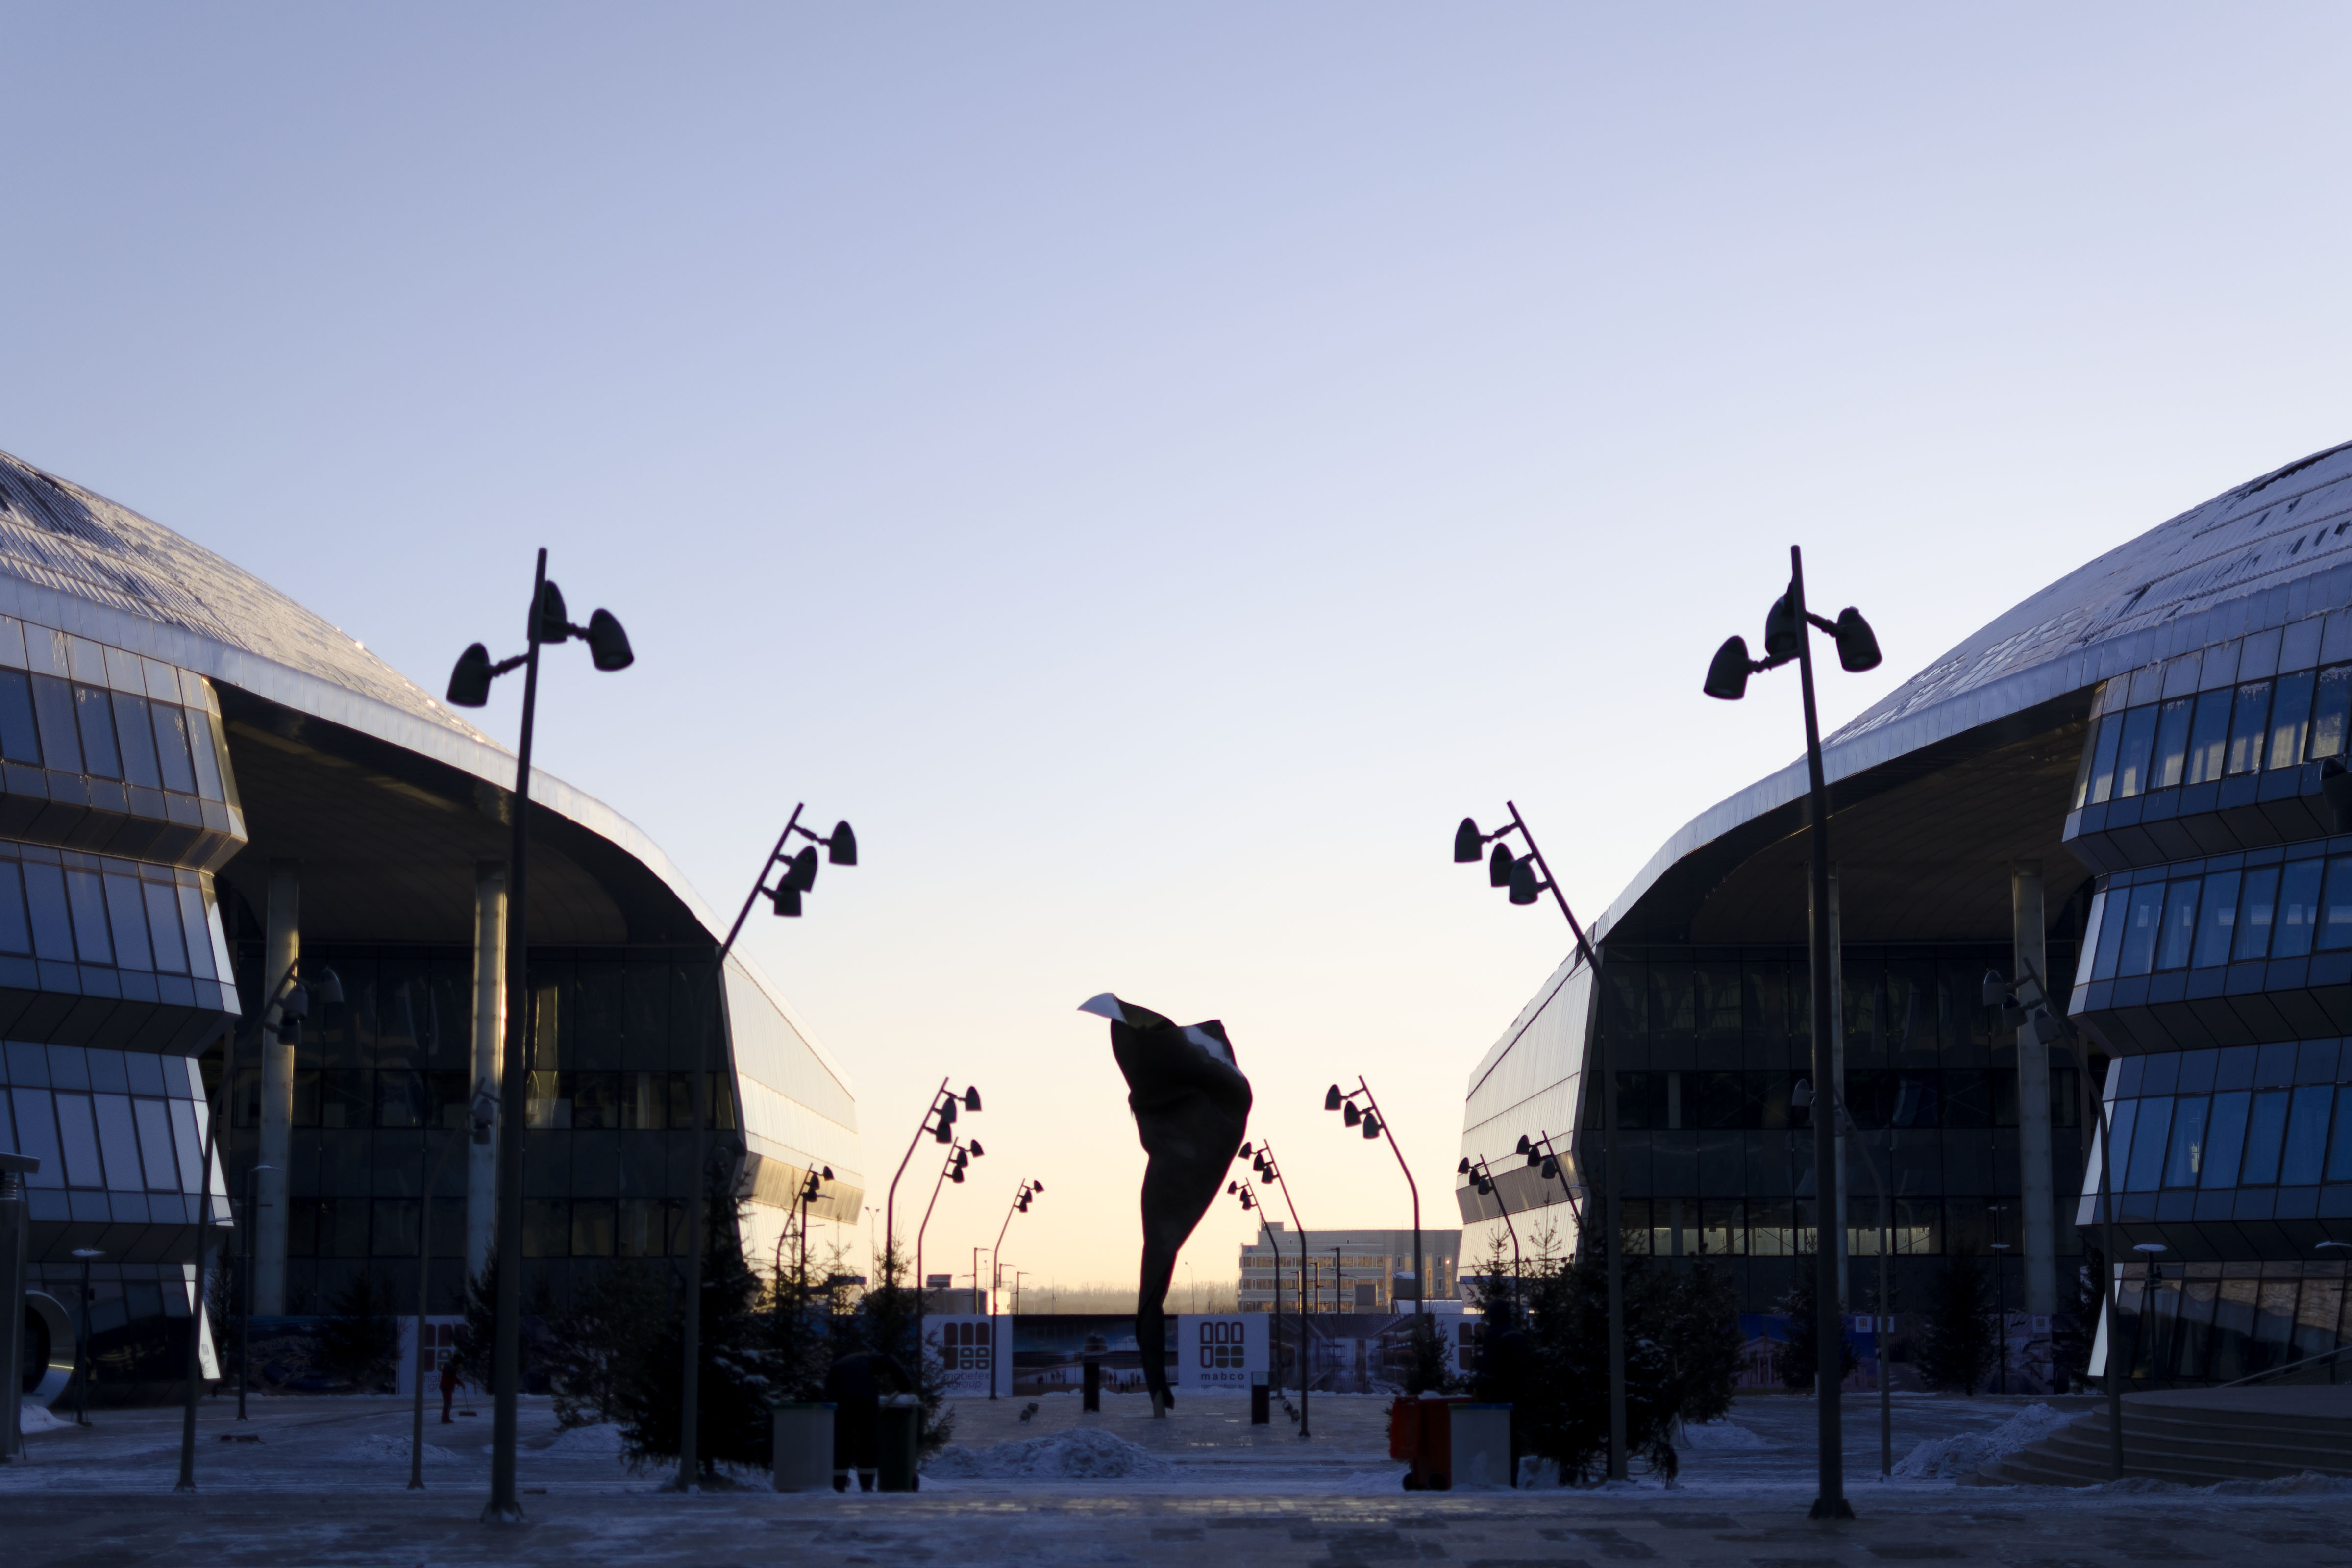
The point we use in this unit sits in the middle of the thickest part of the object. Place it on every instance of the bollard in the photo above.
(803, 1448)
(1261, 1401)
(899, 1431)
(1093, 1385)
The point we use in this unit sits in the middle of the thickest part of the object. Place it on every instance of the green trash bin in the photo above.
(898, 1431)
(803, 1448)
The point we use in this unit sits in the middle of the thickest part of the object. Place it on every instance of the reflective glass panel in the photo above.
(45, 898)
(37, 1134)
(2225, 1140)
(2336, 919)
(78, 1129)
(2123, 1118)
(2299, 908)
(2248, 722)
(16, 932)
(137, 733)
(2114, 922)
(129, 913)
(2265, 1133)
(20, 736)
(155, 1118)
(96, 717)
(2209, 736)
(2179, 926)
(2186, 1148)
(163, 927)
(2146, 1166)
(88, 902)
(2216, 922)
(2141, 923)
(2289, 717)
(2170, 764)
(171, 727)
(119, 1139)
(2340, 1147)
(2307, 1136)
(2329, 711)
(53, 708)
(2257, 904)
(2132, 754)
(2103, 757)
(199, 932)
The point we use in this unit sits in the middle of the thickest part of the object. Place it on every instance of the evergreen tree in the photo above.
(888, 1320)
(360, 1340)
(1699, 1330)
(1798, 1359)
(1961, 1343)
(476, 1351)
(614, 1315)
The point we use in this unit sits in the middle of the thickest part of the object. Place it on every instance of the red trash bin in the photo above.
(1421, 1432)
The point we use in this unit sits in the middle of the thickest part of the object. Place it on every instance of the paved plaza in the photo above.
(325, 1483)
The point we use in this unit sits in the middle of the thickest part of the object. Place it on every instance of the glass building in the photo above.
(205, 787)
(2119, 786)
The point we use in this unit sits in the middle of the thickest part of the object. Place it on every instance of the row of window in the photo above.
(2239, 1138)
(2280, 1065)
(2245, 729)
(1896, 1001)
(65, 906)
(551, 1227)
(1779, 1227)
(2215, 1330)
(1959, 1099)
(118, 1142)
(78, 729)
(400, 1098)
(92, 1067)
(2288, 910)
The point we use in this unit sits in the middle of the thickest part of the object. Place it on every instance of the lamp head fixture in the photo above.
(1857, 645)
(1331, 1098)
(1351, 1115)
(1550, 1169)
(1463, 1169)
(1498, 867)
(1371, 1126)
(971, 1098)
(469, 682)
(1525, 1147)
(1243, 1152)
(608, 645)
(1727, 676)
(841, 844)
(1467, 842)
(1525, 887)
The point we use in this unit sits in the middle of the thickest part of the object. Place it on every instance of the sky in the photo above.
(1154, 469)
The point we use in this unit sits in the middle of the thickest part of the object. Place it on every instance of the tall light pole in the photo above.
(1787, 635)
(85, 1364)
(1528, 878)
(245, 1318)
(1261, 1159)
(1022, 1197)
(1374, 1124)
(939, 1121)
(1482, 1177)
(469, 687)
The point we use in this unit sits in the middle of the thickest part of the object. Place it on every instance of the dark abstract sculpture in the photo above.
(1191, 1107)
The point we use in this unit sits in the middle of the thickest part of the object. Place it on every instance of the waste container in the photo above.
(803, 1448)
(1421, 1434)
(898, 1428)
(1261, 1401)
(1478, 1446)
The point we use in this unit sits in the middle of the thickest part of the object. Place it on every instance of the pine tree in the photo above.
(1960, 1344)
(360, 1340)
(1799, 1360)
(614, 1315)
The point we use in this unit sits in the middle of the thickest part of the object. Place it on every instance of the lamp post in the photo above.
(939, 1121)
(2000, 1299)
(483, 1114)
(245, 1318)
(952, 1169)
(84, 1363)
(1022, 1197)
(811, 1189)
(798, 877)
(1483, 1178)
(1800, 1097)
(1528, 878)
(200, 1296)
(1261, 1159)
(1787, 635)
(469, 687)
(1374, 1124)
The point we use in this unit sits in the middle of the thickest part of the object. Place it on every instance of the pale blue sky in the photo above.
(1155, 472)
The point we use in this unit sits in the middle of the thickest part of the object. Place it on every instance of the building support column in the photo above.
(2035, 1199)
(281, 946)
(490, 1038)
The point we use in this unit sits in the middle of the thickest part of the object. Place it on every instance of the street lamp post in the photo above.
(469, 687)
(484, 1114)
(84, 1363)
(1261, 1159)
(1528, 878)
(245, 1318)
(1374, 1125)
(1022, 1196)
(952, 1169)
(1882, 1321)
(939, 1121)
(1787, 635)
(1483, 1179)
(798, 877)
(200, 1297)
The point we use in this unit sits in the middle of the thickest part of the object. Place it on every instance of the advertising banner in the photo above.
(1223, 1351)
(967, 1349)
(1050, 1352)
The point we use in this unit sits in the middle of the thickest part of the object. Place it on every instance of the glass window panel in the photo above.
(2187, 1149)
(2179, 926)
(2225, 1140)
(2290, 718)
(154, 1120)
(130, 919)
(188, 1133)
(2093, 931)
(2249, 725)
(87, 901)
(595, 1100)
(2147, 1167)
(2123, 1118)
(20, 736)
(137, 731)
(546, 1227)
(2265, 1133)
(78, 1127)
(207, 760)
(118, 1137)
(15, 930)
(163, 926)
(53, 709)
(2209, 736)
(2218, 921)
(399, 1098)
(2329, 711)
(2307, 1136)
(2103, 757)
(2142, 922)
(37, 1134)
(2169, 766)
(592, 1230)
(2298, 910)
(170, 726)
(2256, 905)
(199, 934)
(2340, 1147)
(2336, 921)
(2132, 754)
(2114, 922)
(396, 1221)
(96, 724)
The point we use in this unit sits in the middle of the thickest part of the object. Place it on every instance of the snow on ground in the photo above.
(1966, 1453)
(1079, 1454)
(1716, 1436)
(39, 1418)
(599, 1437)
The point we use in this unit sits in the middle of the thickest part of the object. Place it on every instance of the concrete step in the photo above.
(2188, 1439)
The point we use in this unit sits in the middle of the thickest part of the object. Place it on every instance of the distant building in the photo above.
(1372, 1271)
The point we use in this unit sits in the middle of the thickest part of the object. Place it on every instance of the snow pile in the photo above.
(601, 1437)
(2307, 1484)
(1966, 1453)
(40, 1418)
(378, 1449)
(1082, 1453)
(1713, 1435)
